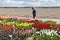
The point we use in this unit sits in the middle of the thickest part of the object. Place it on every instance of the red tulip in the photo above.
(6, 28)
(56, 28)
(41, 26)
(1, 19)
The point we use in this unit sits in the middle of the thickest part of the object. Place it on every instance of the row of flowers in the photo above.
(22, 28)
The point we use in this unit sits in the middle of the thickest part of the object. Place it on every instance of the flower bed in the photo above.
(14, 28)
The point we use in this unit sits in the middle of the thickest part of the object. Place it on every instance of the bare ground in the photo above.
(27, 12)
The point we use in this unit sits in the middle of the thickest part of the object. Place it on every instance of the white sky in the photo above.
(22, 3)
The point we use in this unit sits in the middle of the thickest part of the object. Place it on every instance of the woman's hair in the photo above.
(32, 7)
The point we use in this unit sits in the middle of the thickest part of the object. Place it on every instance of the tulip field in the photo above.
(19, 28)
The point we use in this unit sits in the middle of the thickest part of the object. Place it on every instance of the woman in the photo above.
(34, 13)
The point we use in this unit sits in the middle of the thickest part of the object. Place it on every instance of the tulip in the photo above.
(4, 28)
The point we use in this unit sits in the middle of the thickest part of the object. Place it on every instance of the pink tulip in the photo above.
(24, 32)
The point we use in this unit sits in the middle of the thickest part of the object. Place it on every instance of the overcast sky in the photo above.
(29, 3)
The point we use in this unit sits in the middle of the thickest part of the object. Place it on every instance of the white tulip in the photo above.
(13, 25)
(38, 32)
(52, 35)
(33, 28)
(0, 21)
(10, 36)
(56, 34)
(59, 35)
(59, 31)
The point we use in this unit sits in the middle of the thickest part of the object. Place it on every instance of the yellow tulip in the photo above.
(9, 23)
(30, 23)
(24, 24)
(17, 24)
(4, 16)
